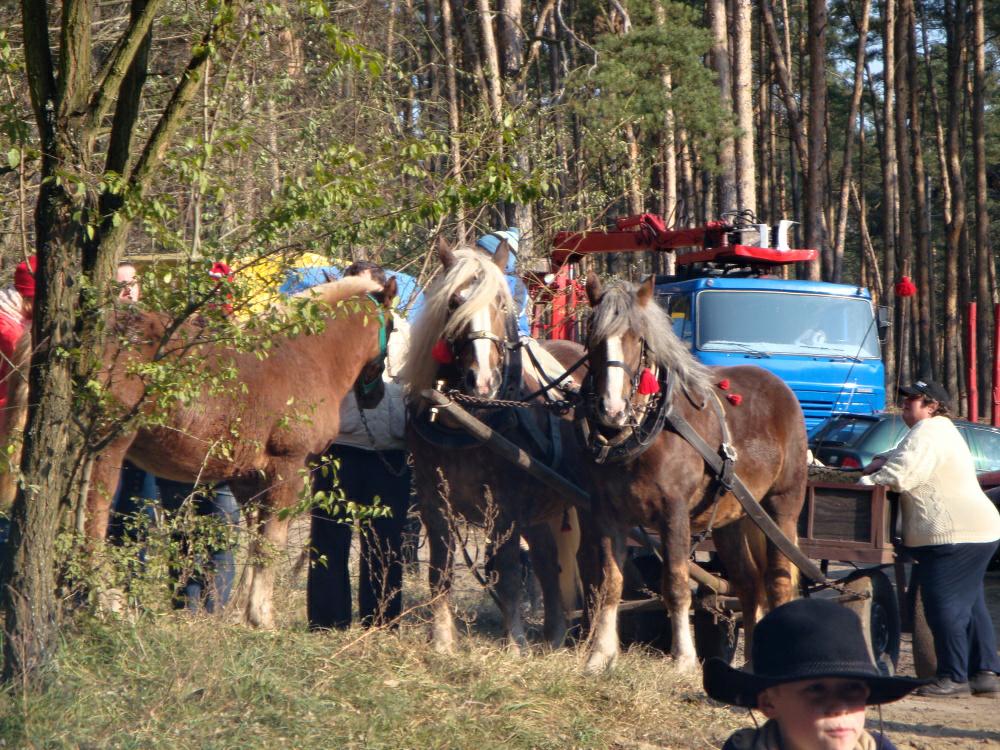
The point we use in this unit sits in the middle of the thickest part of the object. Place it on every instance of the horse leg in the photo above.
(545, 561)
(676, 585)
(607, 595)
(441, 543)
(742, 550)
(104, 478)
(505, 561)
(781, 576)
(265, 549)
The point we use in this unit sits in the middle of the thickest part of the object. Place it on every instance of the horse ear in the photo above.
(445, 253)
(594, 289)
(389, 292)
(501, 255)
(646, 289)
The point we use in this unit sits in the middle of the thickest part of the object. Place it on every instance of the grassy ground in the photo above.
(177, 681)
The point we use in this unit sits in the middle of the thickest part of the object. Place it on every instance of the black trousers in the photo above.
(362, 476)
(951, 578)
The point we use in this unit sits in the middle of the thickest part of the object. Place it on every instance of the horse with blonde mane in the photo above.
(262, 433)
(465, 343)
(644, 473)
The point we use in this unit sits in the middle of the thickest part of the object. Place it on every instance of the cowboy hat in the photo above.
(804, 640)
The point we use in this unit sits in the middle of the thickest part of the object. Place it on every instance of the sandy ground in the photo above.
(930, 723)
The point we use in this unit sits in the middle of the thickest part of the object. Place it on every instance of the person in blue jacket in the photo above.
(490, 242)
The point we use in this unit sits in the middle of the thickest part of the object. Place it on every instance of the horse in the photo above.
(262, 434)
(467, 337)
(647, 475)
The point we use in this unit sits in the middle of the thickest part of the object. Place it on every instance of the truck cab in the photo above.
(821, 339)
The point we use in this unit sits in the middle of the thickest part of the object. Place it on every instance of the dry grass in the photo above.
(177, 681)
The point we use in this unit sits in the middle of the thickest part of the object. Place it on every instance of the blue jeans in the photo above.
(212, 586)
(951, 579)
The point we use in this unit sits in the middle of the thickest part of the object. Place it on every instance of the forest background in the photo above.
(178, 132)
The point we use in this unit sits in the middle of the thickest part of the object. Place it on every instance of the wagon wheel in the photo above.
(715, 637)
(924, 655)
(879, 613)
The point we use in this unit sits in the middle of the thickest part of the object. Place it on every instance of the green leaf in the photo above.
(14, 157)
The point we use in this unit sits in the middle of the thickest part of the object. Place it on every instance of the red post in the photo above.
(995, 414)
(970, 366)
(557, 327)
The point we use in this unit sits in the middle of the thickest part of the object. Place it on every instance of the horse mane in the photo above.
(484, 282)
(619, 312)
(337, 291)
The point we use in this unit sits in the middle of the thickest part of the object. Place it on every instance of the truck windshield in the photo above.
(786, 323)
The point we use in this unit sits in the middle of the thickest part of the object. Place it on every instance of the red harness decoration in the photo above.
(648, 385)
(724, 384)
(442, 353)
(735, 399)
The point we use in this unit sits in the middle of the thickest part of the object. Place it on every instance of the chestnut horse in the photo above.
(261, 434)
(466, 336)
(657, 479)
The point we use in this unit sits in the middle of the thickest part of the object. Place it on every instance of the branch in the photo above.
(74, 56)
(185, 92)
(116, 67)
(784, 83)
(38, 61)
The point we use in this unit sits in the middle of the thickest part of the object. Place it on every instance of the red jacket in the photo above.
(10, 333)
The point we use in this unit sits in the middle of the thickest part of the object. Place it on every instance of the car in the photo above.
(850, 441)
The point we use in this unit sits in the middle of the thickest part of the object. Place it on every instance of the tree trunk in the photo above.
(721, 65)
(816, 179)
(983, 260)
(889, 185)
(955, 28)
(454, 122)
(853, 123)
(746, 170)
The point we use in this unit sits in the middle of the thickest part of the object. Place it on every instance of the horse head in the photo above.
(618, 355)
(467, 329)
(369, 388)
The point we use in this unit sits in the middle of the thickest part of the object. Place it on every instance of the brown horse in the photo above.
(260, 435)
(466, 336)
(637, 365)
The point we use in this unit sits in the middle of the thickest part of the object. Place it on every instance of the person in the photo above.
(372, 464)
(209, 586)
(17, 305)
(951, 529)
(489, 244)
(812, 677)
(128, 284)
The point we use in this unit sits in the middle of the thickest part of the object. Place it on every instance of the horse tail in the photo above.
(566, 531)
(15, 418)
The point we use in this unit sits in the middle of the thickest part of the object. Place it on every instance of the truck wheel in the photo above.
(711, 638)
(924, 655)
(879, 613)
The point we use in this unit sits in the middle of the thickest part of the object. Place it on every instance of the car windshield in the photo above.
(786, 323)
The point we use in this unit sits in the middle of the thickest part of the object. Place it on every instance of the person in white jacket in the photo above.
(952, 530)
(373, 464)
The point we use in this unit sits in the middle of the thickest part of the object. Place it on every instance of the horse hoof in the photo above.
(686, 664)
(600, 663)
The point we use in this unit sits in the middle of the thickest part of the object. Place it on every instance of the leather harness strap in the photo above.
(717, 463)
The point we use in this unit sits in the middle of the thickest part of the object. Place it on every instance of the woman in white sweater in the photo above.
(952, 530)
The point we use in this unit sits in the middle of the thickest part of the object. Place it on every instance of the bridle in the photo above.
(509, 349)
(362, 386)
(642, 424)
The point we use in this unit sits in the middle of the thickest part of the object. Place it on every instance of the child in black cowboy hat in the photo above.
(812, 677)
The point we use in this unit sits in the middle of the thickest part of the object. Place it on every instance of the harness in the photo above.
(721, 460)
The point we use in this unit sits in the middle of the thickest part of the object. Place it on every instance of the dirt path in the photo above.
(932, 723)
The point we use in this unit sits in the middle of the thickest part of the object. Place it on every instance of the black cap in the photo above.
(804, 640)
(929, 388)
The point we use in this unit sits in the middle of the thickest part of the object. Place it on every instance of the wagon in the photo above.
(841, 522)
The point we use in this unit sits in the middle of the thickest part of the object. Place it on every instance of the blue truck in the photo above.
(822, 339)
